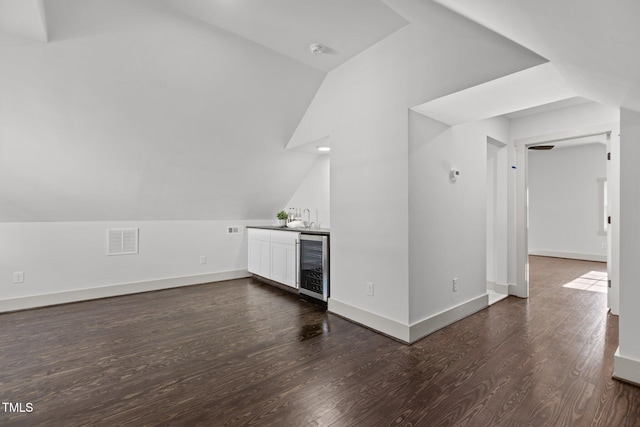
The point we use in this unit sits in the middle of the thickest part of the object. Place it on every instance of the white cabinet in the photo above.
(273, 254)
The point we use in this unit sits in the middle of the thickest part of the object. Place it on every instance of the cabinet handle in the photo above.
(297, 266)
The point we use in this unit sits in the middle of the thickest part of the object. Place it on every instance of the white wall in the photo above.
(61, 260)
(448, 221)
(66, 261)
(369, 214)
(564, 201)
(579, 116)
(314, 193)
(363, 106)
(135, 115)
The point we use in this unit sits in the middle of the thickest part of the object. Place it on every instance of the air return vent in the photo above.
(122, 241)
(234, 229)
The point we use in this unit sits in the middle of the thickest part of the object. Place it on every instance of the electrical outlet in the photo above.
(203, 259)
(455, 284)
(18, 277)
(370, 288)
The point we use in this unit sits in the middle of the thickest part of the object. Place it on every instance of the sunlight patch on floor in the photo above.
(593, 281)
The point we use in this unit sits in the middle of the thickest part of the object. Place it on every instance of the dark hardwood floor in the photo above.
(244, 353)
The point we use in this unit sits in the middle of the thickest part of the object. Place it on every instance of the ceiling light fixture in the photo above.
(324, 148)
(316, 48)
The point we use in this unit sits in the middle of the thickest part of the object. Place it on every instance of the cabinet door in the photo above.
(254, 256)
(265, 259)
(278, 262)
(259, 257)
(284, 264)
(292, 266)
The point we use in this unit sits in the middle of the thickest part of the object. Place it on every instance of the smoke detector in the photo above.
(316, 48)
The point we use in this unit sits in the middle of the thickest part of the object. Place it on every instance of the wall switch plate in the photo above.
(18, 277)
(370, 288)
(203, 259)
(455, 284)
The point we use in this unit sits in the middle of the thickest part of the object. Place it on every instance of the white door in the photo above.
(612, 197)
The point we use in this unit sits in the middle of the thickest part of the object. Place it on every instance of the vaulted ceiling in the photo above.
(182, 109)
(344, 28)
(594, 44)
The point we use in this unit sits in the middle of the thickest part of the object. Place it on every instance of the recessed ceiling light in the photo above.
(324, 148)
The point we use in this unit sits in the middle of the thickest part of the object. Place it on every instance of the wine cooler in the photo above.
(314, 267)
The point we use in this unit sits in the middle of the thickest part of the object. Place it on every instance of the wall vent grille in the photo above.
(122, 241)
(234, 229)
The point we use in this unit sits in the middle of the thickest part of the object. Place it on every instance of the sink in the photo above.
(301, 225)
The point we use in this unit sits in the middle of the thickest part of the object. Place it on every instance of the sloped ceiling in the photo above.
(133, 111)
(152, 109)
(531, 88)
(168, 109)
(594, 44)
(439, 53)
(289, 27)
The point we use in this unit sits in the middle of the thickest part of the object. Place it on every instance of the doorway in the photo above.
(496, 264)
(524, 215)
(567, 205)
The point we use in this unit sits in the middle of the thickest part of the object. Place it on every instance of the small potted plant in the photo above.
(282, 218)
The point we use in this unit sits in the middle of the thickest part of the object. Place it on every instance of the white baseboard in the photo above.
(445, 318)
(570, 255)
(500, 288)
(33, 301)
(370, 320)
(626, 369)
(408, 333)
